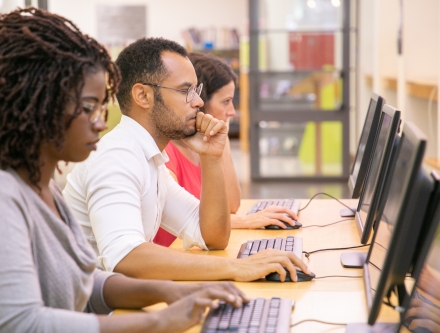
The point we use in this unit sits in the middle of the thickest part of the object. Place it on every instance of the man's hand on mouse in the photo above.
(268, 261)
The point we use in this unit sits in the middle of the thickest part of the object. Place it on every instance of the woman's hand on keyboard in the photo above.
(189, 310)
(262, 263)
(176, 291)
(272, 215)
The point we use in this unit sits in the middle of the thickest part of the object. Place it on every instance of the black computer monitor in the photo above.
(366, 142)
(420, 312)
(422, 309)
(382, 155)
(428, 228)
(399, 224)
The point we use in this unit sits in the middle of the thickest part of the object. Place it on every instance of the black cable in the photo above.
(318, 321)
(319, 193)
(342, 276)
(326, 225)
(307, 254)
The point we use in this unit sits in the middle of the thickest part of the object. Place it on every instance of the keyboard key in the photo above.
(278, 242)
(263, 245)
(255, 247)
(283, 244)
(270, 243)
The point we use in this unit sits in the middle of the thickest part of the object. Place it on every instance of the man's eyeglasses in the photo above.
(94, 110)
(190, 92)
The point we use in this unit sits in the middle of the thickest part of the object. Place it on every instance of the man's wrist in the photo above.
(237, 221)
(232, 269)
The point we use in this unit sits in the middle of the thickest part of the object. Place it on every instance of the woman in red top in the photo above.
(184, 165)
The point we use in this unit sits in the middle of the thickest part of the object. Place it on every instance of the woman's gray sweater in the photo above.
(47, 268)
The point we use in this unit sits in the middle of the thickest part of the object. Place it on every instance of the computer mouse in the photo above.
(302, 277)
(289, 227)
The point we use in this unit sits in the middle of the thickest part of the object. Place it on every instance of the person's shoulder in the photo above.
(114, 147)
(119, 137)
(8, 181)
(10, 189)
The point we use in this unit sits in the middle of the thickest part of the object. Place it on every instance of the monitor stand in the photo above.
(377, 328)
(353, 259)
(380, 327)
(348, 212)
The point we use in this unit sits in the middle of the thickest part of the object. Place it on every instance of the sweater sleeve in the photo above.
(21, 305)
(96, 302)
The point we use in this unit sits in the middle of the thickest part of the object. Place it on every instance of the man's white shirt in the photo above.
(123, 193)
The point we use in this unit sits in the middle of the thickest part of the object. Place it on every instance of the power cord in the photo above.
(326, 225)
(322, 193)
(394, 307)
(307, 254)
(318, 321)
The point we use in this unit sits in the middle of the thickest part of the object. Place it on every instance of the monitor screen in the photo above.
(366, 212)
(366, 142)
(399, 225)
(422, 310)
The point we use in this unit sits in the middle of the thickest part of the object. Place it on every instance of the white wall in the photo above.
(9, 5)
(367, 59)
(165, 18)
(419, 62)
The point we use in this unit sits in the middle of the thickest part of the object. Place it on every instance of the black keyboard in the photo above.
(292, 204)
(290, 243)
(258, 316)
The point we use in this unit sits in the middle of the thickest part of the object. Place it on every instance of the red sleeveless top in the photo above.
(189, 176)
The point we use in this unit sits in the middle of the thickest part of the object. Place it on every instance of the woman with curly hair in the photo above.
(54, 86)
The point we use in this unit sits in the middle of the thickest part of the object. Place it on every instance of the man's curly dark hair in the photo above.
(43, 62)
(141, 62)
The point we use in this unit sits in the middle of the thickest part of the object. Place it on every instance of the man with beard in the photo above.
(123, 192)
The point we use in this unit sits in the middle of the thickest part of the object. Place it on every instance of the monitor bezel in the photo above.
(364, 227)
(405, 234)
(431, 224)
(355, 182)
(427, 232)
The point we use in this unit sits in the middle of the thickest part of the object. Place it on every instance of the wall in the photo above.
(165, 18)
(8, 5)
(390, 73)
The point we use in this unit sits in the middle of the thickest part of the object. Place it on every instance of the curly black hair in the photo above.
(213, 72)
(141, 62)
(43, 62)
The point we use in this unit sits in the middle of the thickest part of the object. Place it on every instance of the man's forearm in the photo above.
(151, 261)
(214, 207)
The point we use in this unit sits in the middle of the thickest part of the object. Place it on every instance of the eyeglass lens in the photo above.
(95, 111)
(192, 91)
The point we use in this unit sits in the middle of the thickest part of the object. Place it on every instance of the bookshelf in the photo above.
(299, 89)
